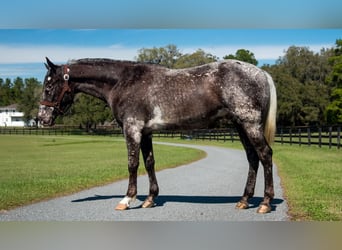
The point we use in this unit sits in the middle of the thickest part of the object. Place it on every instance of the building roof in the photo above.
(12, 106)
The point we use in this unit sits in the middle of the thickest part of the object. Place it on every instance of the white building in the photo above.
(10, 117)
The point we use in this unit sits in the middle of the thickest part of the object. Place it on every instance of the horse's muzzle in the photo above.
(46, 115)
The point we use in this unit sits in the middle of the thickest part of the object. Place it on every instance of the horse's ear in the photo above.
(50, 65)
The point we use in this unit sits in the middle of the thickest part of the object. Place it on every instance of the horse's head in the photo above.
(57, 96)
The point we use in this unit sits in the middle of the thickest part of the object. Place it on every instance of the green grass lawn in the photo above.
(310, 176)
(34, 168)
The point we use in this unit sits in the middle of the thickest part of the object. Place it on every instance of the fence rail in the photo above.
(322, 136)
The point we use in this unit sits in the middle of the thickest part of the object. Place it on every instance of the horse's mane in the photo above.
(87, 61)
(107, 61)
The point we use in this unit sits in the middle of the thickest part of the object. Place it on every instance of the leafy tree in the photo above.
(6, 97)
(334, 109)
(334, 79)
(289, 100)
(166, 56)
(29, 101)
(306, 65)
(2, 94)
(197, 58)
(171, 57)
(87, 112)
(243, 55)
(300, 80)
(17, 89)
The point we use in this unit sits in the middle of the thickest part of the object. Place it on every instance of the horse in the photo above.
(144, 97)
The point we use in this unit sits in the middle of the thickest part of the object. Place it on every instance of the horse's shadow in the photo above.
(162, 199)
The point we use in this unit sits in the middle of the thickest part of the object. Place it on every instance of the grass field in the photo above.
(311, 178)
(34, 168)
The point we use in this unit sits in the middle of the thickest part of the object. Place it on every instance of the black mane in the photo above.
(103, 61)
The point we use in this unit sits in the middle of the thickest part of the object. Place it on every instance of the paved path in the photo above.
(206, 190)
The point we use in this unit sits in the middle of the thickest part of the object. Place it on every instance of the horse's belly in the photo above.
(185, 120)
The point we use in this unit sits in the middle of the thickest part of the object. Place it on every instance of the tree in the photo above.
(87, 112)
(29, 101)
(197, 58)
(2, 94)
(17, 89)
(171, 57)
(166, 56)
(306, 65)
(288, 95)
(302, 92)
(334, 109)
(334, 79)
(243, 55)
(6, 97)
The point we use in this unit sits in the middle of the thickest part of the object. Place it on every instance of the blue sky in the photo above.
(23, 51)
(63, 30)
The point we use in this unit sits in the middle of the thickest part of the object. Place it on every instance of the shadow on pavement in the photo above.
(163, 199)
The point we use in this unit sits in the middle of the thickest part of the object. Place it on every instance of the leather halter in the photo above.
(66, 88)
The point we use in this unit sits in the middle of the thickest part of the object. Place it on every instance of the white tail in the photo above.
(270, 125)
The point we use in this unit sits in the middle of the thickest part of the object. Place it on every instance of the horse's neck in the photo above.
(92, 81)
(90, 88)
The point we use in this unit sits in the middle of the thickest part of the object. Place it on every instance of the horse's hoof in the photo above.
(125, 203)
(264, 209)
(148, 204)
(121, 207)
(242, 205)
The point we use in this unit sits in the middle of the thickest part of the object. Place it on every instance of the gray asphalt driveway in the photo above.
(206, 190)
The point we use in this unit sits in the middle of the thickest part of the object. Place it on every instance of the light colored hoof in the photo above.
(264, 209)
(148, 204)
(241, 205)
(125, 203)
(121, 207)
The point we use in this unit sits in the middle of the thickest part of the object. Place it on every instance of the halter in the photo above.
(66, 88)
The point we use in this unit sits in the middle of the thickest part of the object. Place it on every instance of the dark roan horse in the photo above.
(147, 97)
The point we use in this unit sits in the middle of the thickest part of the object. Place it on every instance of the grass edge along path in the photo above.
(311, 178)
(312, 182)
(36, 168)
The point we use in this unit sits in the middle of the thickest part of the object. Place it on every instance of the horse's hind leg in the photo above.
(147, 152)
(253, 160)
(256, 139)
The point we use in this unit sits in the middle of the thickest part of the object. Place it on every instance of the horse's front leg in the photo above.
(132, 132)
(147, 152)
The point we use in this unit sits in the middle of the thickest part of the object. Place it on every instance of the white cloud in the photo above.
(60, 54)
(35, 54)
(27, 61)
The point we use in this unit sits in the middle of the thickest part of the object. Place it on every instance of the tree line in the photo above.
(309, 85)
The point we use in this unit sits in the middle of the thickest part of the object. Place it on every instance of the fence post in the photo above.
(309, 136)
(330, 137)
(231, 134)
(291, 136)
(338, 137)
(300, 136)
(320, 137)
(282, 136)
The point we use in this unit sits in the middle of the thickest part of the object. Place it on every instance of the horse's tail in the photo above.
(270, 125)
